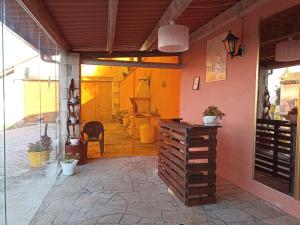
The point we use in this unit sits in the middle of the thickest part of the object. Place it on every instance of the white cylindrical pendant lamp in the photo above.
(287, 51)
(173, 38)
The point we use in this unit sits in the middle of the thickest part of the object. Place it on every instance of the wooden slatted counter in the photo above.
(187, 160)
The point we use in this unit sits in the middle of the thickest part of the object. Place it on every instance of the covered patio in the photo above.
(166, 112)
(128, 191)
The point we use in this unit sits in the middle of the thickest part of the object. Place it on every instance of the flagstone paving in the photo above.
(128, 191)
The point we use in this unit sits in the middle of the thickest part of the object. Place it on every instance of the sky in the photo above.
(15, 49)
(274, 80)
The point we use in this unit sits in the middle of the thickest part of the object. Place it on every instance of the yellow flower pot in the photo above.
(37, 159)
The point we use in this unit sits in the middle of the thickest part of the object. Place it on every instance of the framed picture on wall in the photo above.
(196, 83)
(216, 57)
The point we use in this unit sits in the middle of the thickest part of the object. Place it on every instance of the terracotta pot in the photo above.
(38, 159)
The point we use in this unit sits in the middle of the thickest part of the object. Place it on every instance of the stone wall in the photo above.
(69, 68)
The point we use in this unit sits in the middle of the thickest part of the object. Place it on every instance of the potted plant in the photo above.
(69, 163)
(122, 117)
(39, 152)
(73, 118)
(212, 115)
(292, 115)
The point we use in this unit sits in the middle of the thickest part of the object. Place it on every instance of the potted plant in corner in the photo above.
(69, 163)
(212, 115)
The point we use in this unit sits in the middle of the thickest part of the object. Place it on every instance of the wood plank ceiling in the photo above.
(21, 23)
(84, 23)
(277, 28)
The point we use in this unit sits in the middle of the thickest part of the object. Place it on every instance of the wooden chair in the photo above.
(94, 131)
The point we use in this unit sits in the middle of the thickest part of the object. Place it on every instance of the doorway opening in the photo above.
(276, 129)
(129, 101)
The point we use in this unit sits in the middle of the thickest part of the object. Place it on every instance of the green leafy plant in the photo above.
(119, 115)
(40, 146)
(70, 157)
(213, 111)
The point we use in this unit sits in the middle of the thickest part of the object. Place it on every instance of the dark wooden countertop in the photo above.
(186, 125)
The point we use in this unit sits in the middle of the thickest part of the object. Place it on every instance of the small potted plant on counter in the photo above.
(212, 115)
(69, 163)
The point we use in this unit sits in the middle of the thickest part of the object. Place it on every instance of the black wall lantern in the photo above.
(230, 43)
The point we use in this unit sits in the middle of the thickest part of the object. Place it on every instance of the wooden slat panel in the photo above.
(176, 192)
(177, 152)
(202, 154)
(173, 166)
(202, 143)
(264, 140)
(275, 146)
(164, 138)
(200, 179)
(264, 146)
(178, 179)
(264, 134)
(196, 168)
(178, 136)
(178, 187)
(180, 164)
(178, 145)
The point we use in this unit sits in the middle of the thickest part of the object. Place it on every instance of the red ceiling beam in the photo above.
(40, 14)
(117, 54)
(232, 13)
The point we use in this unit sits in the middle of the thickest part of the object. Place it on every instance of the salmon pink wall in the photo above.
(236, 97)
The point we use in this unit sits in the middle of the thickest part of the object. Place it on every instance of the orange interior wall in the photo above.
(91, 71)
(164, 87)
(164, 84)
(126, 91)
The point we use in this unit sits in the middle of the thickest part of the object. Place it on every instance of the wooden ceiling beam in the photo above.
(40, 14)
(174, 10)
(228, 16)
(131, 64)
(276, 65)
(112, 18)
(120, 54)
(280, 38)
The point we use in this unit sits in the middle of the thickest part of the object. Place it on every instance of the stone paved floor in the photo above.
(128, 191)
(16, 146)
(25, 187)
(118, 143)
